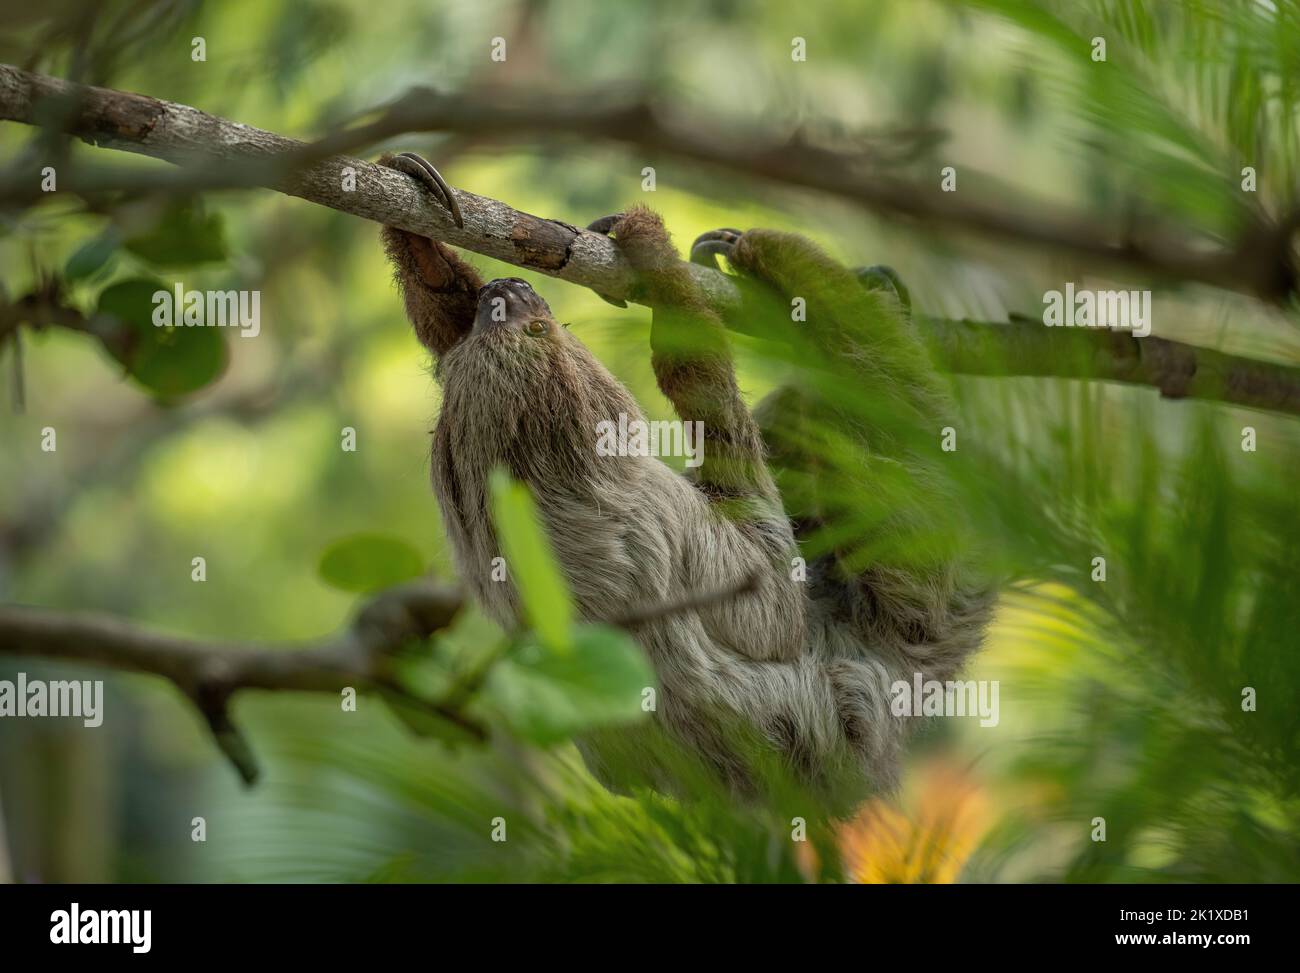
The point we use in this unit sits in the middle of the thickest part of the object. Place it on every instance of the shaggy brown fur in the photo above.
(808, 663)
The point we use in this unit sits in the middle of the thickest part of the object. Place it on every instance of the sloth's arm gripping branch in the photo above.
(692, 360)
(747, 530)
(439, 288)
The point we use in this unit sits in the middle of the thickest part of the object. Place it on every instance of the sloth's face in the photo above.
(520, 381)
(516, 359)
(509, 309)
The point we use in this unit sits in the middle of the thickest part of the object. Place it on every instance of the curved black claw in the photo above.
(603, 226)
(419, 167)
(707, 246)
(882, 277)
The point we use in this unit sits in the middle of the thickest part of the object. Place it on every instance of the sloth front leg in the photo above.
(741, 528)
(440, 290)
(692, 361)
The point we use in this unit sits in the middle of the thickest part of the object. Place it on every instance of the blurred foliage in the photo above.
(169, 362)
(1120, 699)
(524, 544)
(369, 562)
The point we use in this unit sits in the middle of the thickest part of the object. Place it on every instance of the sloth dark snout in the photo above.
(508, 299)
(505, 285)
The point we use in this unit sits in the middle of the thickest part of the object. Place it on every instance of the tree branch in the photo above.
(359, 657)
(215, 153)
(1261, 263)
(188, 137)
(210, 673)
(1024, 347)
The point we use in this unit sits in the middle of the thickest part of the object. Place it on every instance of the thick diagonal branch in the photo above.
(232, 154)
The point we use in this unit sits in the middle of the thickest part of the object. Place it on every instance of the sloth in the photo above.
(804, 661)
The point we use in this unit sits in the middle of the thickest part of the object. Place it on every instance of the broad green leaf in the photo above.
(91, 256)
(547, 697)
(185, 235)
(369, 562)
(169, 361)
(531, 562)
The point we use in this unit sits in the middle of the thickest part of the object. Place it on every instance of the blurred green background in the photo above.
(1119, 700)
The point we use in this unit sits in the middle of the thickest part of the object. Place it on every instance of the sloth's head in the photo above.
(515, 348)
(515, 352)
(510, 310)
(521, 376)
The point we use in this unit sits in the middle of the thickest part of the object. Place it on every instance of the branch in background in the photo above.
(232, 154)
(1262, 263)
(1024, 347)
(210, 673)
(1020, 348)
(45, 307)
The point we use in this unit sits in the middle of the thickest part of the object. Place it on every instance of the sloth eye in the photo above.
(535, 327)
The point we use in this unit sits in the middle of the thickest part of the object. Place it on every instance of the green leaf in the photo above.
(169, 361)
(185, 235)
(531, 562)
(547, 697)
(91, 256)
(369, 562)
(425, 723)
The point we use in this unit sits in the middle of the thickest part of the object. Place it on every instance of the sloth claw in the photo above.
(419, 167)
(604, 224)
(882, 277)
(707, 246)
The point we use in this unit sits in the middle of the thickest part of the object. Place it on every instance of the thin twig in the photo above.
(692, 602)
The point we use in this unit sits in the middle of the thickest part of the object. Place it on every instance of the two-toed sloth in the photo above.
(807, 659)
